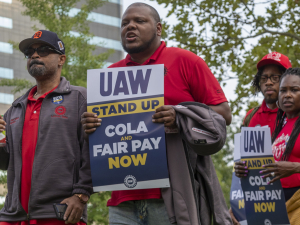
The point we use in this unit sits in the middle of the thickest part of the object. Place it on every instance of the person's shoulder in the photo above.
(251, 111)
(121, 63)
(184, 55)
(79, 89)
(181, 51)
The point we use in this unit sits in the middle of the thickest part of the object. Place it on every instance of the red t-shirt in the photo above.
(187, 78)
(29, 140)
(279, 147)
(264, 116)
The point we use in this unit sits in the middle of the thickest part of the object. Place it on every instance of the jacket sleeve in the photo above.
(4, 153)
(203, 129)
(84, 184)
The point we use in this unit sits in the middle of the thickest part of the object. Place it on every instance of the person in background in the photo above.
(46, 156)
(286, 144)
(269, 71)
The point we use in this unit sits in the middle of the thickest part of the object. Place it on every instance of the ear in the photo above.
(158, 29)
(61, 60)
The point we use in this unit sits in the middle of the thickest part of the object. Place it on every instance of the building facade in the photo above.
(104, 24)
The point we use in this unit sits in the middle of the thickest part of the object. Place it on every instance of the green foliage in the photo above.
(220, 32)
(97, 210)
(3, 181)
(18, 84)
(232, 36)
(222, 161)
(54, 16)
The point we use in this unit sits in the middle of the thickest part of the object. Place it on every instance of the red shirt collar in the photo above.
(153, 57)
(264, 108)
(33, 91)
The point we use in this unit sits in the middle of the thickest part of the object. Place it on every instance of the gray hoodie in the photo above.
(61, 164)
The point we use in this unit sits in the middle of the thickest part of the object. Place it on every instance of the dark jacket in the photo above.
(195, 196)
(61, 165)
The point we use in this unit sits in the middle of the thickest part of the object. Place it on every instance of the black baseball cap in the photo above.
(44, 37)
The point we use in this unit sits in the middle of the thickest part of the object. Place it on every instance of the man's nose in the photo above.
(131, 25)
(35, 55)
(269, 82)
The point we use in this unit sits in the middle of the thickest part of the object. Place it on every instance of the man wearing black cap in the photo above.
(46, 157)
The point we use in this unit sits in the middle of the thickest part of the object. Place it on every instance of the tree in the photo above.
(232, 36)
(97, 210)
(54, 15)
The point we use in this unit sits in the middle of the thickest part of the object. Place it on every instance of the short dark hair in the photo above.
(154, 12)
(280, 120)
(256, 84)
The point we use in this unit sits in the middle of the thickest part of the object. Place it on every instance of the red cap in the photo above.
(274, 58)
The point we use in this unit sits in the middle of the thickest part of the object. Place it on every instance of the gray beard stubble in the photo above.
(37, 71)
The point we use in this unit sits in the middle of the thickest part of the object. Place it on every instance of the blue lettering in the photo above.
(139, 81)
(155, 103)
(259, 140)
(96, 110)
(145, 107)
(122, 108)
(246, 141)
(112, 110)
(249, 164)
(131, 107)
(109, 84)
(121, 84)
(104, 109)
(251, 142)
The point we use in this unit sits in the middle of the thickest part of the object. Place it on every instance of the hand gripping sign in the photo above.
(264, 203)
(128, 150)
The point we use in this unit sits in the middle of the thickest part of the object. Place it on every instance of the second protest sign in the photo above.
(264, 203)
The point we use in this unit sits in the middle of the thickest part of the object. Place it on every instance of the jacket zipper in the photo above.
(192, 175)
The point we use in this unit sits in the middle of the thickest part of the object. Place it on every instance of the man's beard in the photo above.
(39, 71)
(141, 48)
(270, 100)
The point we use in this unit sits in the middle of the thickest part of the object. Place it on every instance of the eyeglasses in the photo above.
(274, 78)
(41, 51)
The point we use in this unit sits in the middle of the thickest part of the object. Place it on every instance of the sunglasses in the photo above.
(41, 51)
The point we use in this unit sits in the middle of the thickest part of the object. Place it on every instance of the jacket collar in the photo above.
(64, 87)
(153, 57)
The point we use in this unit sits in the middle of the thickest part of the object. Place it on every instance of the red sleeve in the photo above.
(204, 86)
(247, 114)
